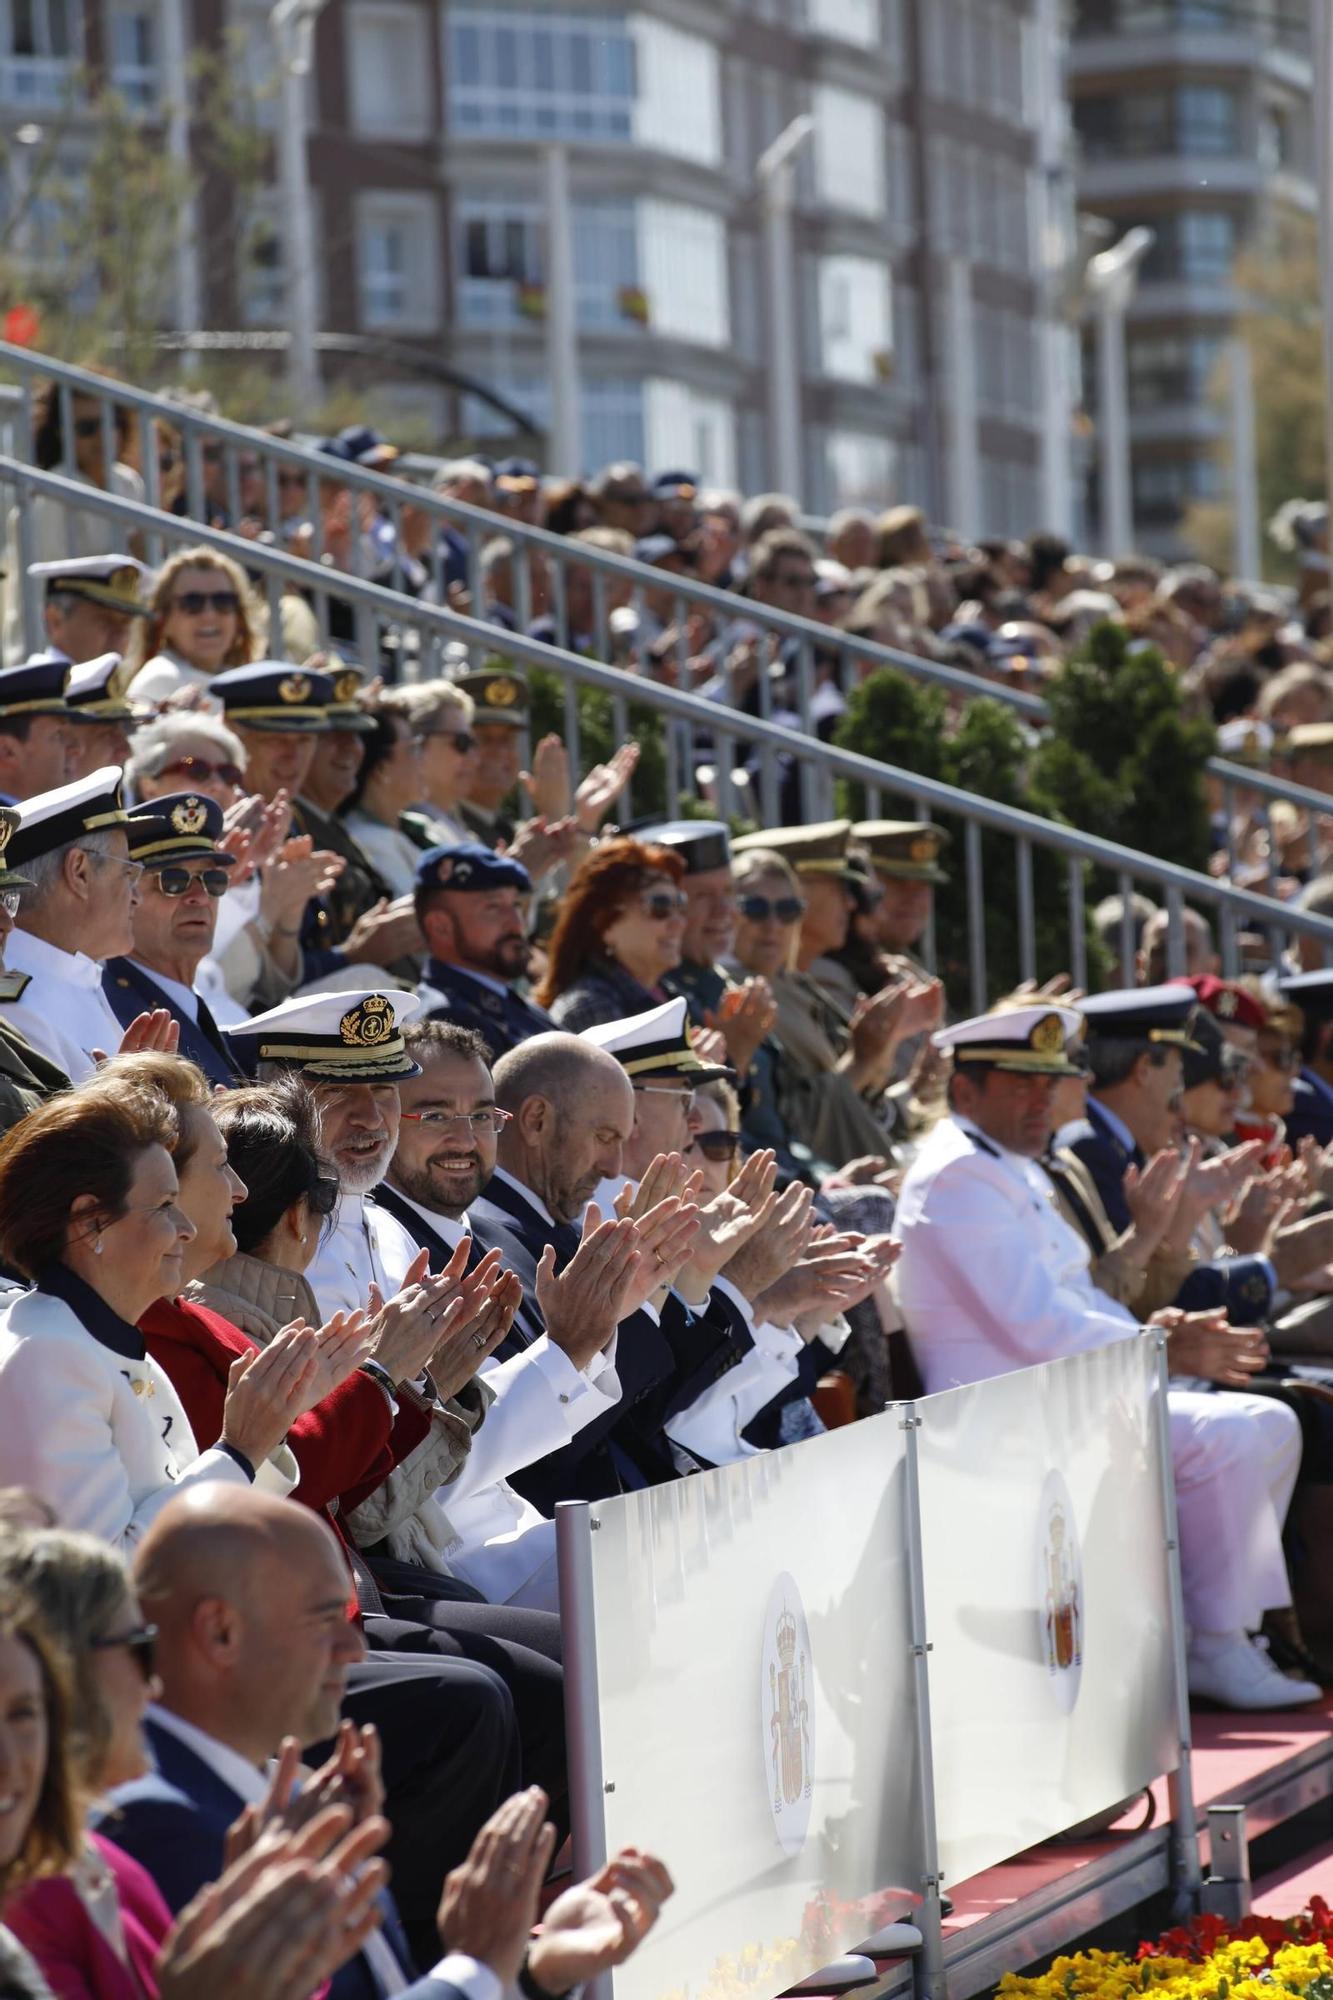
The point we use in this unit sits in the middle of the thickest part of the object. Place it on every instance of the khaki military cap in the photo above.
(907, 850)
(810, 850)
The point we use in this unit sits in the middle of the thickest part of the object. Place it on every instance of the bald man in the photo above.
(257, 1641)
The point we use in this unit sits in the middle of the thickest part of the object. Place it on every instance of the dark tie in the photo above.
(211, 1032)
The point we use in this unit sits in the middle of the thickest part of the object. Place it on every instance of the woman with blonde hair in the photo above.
(202, 618)
(40, 1833)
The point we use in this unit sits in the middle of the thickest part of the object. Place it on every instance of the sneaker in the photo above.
(1238, 1675)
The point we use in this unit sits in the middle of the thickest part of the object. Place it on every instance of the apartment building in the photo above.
(1194, 117)
(429, 122)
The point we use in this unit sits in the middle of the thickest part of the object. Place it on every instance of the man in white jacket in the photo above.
(992, 1278)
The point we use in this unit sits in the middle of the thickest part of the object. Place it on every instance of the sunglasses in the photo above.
(461, 739)
(201, 770)
(195, 602)
(140, 1643)
(716, 1145)
(9, 901)
(662, 904)
(87, 427)
(758, 909)
(177, 881)
(1284, 1058)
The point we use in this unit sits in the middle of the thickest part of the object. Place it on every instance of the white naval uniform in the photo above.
(363, 1244)
(62, 1010)
(710, 1428)
(477, 1527)
(993, 1278)
(99, 1435)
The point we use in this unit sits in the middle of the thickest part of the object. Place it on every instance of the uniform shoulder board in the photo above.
(13, 985)
(982, 1145)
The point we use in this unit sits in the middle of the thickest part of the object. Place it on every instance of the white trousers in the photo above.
(1236, 1458)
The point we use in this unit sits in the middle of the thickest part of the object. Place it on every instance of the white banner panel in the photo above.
(1047, 1609)
(757, 1707)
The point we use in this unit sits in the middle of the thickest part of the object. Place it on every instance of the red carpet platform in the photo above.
(1031, 1907)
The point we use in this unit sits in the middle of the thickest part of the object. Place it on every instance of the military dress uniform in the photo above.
(992, 1278)
(477, 1000)
(1311, 1114)
(27, 1078)
(500, 701)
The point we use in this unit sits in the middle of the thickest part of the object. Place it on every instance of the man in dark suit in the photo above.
(175, 840)
(472, 907)
(1311, 1115)
(255, 1643)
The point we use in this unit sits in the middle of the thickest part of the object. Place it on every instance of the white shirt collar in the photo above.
(245, 1779)
(534, 1201)
(185, 997)
(26, 952)
(449, 1232)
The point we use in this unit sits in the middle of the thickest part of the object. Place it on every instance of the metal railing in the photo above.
(708, 745)
(217, 452)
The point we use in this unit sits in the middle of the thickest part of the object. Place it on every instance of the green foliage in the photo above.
(1121, 759)
(901, 722)
(598, 736)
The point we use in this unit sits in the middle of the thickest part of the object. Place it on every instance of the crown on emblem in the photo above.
(295, 687)
(370, 1022)
(347, 686)
(6, 828)
(787, 1638)
(503, 693)
(190, 816)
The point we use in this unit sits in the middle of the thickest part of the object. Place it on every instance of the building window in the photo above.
(649, 264)
(1197, 121)
(678, 106)
(255, 64)
(1149, 17)
(133, 32)
(846, 20)
(389, 70)
(849, 149)
(398, 264)
(859, 469)
(683, 426)
(533, 74)
(1193, 246)
(39, 51)
(611, 415)
(855, 319)
(1171, 368)
(1162, 486)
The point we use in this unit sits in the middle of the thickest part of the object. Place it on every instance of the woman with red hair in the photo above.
(621, 929)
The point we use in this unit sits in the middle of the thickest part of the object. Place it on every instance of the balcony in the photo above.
(1213, 49)
(1106, 180)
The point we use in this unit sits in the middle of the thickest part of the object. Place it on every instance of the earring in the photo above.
(97, 1247)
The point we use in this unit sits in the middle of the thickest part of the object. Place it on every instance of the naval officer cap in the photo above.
(9, 879)
(92, 693)
(37, 687)
(1021, 1041)
(274, 695)
(61, 818)
(702, 844)
(497, 697)
(184, 826)
(903, 850)
(1153, 1014)
(471, 868)
(111, 581)
(810, 850)
(350, 1037)
(1312, 992)
(654, 1045)
(345, 710)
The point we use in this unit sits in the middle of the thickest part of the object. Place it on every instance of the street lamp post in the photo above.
(189, 283)
(1322, 25)
(562, 319)
(1111, 277)
(292, 23)
(776, 174)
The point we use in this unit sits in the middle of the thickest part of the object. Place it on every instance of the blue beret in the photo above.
(471, 867)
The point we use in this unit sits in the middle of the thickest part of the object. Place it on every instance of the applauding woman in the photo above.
(89, 1210)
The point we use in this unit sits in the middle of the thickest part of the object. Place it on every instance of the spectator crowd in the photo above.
(397, 1143)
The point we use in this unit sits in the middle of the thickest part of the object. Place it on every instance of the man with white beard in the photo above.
(349, 1048)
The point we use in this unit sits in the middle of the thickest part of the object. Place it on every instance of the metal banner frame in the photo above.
(578, 1521)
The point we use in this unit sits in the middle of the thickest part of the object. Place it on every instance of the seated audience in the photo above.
(202, 617)
(619, 932)
(472, 905)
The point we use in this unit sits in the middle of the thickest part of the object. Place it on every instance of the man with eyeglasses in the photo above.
(472, 906)
(186, 873)
(79, 911)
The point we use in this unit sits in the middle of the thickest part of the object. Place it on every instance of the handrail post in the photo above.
(928, 1968)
